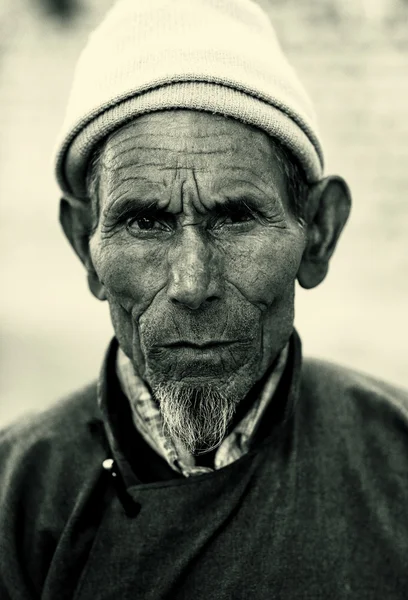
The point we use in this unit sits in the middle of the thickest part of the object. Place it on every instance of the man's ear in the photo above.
(327, 210)
(77, 222)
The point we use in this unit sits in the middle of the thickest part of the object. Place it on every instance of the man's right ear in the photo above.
(77, 222)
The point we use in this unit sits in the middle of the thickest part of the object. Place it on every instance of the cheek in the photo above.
(132, 280)
(265, 272)
(131, 276)
(264, 269)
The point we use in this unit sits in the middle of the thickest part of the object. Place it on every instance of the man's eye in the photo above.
(238, 218)
(234, 219)
(145, 224)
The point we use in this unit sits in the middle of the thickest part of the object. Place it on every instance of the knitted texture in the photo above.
(220, 56)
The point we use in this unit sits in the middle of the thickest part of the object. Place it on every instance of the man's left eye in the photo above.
(238, 218)
(235, 219)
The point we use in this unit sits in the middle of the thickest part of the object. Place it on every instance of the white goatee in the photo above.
(197, 417)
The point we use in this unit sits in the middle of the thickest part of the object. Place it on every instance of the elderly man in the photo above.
(209, 462)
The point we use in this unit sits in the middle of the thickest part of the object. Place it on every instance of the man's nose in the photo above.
(194, 271)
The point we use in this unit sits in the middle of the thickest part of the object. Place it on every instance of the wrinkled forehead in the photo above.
(161, 142)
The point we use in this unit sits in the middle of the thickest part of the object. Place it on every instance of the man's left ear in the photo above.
(76, 221)
(327, 210)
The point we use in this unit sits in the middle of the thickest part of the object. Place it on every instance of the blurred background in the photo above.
(352, 56)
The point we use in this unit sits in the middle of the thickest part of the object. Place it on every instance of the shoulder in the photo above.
(328, 381)
(60, 423)
(356, 417)
(38, 451)
(46, 460)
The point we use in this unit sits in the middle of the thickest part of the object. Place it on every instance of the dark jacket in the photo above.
(318, 508)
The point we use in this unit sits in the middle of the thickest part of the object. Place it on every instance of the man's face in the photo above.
(197, 248)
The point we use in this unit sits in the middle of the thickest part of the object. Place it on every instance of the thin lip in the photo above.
(209, 345)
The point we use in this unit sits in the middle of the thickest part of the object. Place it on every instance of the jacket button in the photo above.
(108, 464)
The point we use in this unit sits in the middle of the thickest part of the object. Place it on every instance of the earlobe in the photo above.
(311, 273)
(95, 285)
(327, 211)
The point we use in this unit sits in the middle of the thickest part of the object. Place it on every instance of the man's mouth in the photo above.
(207, 345)
(191, 359)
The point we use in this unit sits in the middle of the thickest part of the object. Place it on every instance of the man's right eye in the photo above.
(145, 224)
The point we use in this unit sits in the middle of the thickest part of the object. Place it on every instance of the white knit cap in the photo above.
(220, 56)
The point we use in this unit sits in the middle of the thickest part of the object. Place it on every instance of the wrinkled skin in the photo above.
(197, 249)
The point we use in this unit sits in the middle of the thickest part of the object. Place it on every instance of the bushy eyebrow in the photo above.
(137, 207)
(234, 205)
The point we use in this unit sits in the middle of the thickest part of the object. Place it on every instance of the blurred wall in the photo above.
(352, 57)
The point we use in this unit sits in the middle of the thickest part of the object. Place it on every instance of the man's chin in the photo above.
(196, 412)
